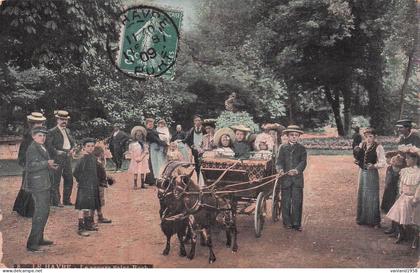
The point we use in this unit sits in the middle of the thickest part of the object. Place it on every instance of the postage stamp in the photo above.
(149, 41)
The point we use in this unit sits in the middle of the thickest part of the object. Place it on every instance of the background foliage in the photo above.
(310, 62)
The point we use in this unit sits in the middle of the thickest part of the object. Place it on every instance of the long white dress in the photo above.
(404, 211)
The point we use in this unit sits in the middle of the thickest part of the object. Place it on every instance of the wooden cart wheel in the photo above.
(275, 203)
(259, 215)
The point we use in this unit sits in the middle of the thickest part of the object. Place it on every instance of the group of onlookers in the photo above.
(151, 147)
(401, 198)
(46, 156)
(236, 142)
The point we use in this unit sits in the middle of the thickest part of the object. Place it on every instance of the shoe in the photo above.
(46, 243)
(393, 235)
(83, 233)
(287, 226)
(60, 205)
(90, 224)
(390, 230)
(297, 228)
(34, 249)
(400, 238)
(415, 243)
(104, 220)
(82, 230)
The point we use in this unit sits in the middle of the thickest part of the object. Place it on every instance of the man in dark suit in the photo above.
(60, 144)
(194, 139)
(37, 182)
(24, 204)
(408, 136)
(118, 144)
(292, 162)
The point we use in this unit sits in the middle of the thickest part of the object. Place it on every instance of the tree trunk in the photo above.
(410, 66)
(380, 117)
(335, 105)
(290, 102)
(347, 112)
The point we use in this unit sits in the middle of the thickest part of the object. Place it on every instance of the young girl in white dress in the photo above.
(406, 210)
(139, 154)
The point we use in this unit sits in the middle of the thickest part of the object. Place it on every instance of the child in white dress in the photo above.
(139, 154)
(406, 210)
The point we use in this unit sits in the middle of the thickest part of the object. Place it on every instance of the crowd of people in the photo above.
(401, 197)
(46, 157)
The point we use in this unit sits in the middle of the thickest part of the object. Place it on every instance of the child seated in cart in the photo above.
(223, 138)
(241, 147)
(263, 152)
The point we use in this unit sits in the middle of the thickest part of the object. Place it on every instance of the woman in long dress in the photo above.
(406, 210)
(178, 137)
(370, 156)
(157, 149)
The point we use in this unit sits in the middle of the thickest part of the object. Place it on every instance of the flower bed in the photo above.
(340, 143)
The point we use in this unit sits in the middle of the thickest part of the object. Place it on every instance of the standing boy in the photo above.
(87, 200)
(292, 162)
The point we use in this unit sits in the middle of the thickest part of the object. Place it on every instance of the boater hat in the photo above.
(406, 123)
(223, 131)
(61, 114)
(240, 127)
(138, 128)
(273, 126)
(39, 129)
(36, 116)
(293, 128)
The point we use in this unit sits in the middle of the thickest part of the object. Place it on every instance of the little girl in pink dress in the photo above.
(139, 154)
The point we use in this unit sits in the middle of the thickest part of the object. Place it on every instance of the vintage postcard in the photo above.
(233, 134)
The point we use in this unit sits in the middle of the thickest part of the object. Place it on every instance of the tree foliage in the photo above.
(300, 61)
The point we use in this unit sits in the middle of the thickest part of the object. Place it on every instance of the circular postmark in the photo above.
(148, 43)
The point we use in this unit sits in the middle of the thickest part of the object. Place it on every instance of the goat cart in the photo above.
(247, 183)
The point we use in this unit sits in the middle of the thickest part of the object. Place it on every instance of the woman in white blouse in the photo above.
(370, 156)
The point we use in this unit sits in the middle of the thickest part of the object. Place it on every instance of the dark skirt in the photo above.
(391, 189)
(368, 198)
(24, 204)
(88, 199)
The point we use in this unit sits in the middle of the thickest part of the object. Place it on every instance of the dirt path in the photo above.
(330, 238)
